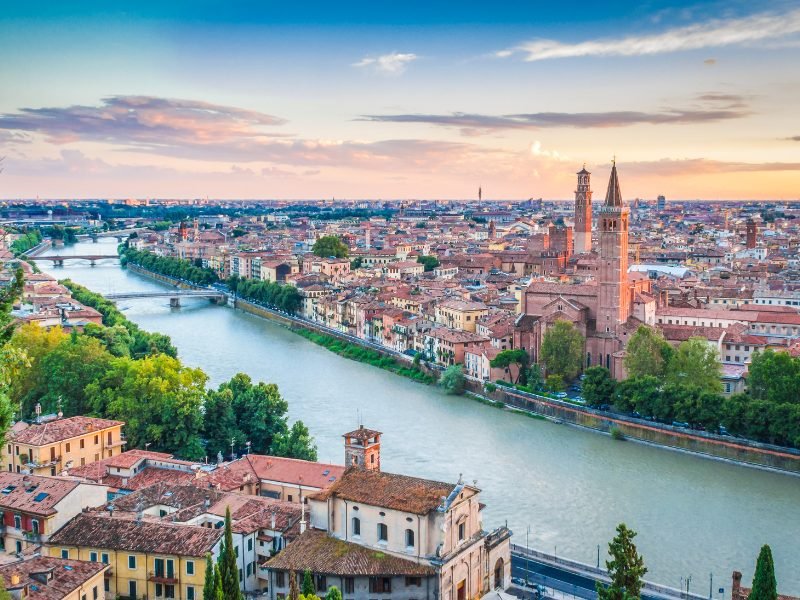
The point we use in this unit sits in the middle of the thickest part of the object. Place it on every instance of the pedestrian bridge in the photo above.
(173, 295)
(58, 259)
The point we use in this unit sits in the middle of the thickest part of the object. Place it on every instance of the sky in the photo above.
(387, 100)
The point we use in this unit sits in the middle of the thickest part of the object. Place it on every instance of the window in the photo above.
(279, 582)
(67, 446)
(64, 553)
(410, 538)
(35, 526)
(107, 584)
(356, 526)
(380, 585)
(159, 590)
(17, 522)
(131, 561)
(109, 438)
(250, 543)
(94, 593)
(104, 558)
(322, 584)
(190, 567)
(462, 529)
(169, 590)
(190, 592)
(289, 498)
(349, 585)
(93, 556)
(81, 444)
(413, 581)
(96, 440)
(383, 532)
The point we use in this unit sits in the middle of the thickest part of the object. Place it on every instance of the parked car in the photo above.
(561, 395)
(681, 424)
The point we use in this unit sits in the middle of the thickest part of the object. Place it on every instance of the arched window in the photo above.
(383, 532)
(588, 359)
(608, 362)
(356, 526)
(409, 538)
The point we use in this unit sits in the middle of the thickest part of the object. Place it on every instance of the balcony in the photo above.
(160, 577)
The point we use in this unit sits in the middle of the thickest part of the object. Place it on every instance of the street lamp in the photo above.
(248, 448)
(527, 554)
(233, 441)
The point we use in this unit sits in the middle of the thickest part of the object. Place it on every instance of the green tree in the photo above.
(6, 595)
(158, 398)
(626, 568)
(452, 380)
(8, 296)
(333, 593)
(774, 376)
(308, 584)
(429, 261)
(297, 443)
(562, 350)
(598, 386)
(209, 585)
(330, 245)
(228, 568)
(765, 586)
(647, 353)
(219, 422)
(294, 593)
(30, 344)
(218, 593)
(555, 383)
(696, 363)
(506, 358)
(534, 377)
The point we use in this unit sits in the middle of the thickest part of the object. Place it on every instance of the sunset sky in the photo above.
(399, 99)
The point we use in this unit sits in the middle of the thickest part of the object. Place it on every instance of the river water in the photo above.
(694, 516)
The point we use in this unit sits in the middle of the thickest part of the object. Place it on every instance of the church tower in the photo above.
(362, 448)
(583, 213)
(614, 303)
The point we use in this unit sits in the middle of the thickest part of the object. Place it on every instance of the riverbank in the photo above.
(734, 450)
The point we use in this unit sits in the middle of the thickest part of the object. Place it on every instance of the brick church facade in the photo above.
(607, 308)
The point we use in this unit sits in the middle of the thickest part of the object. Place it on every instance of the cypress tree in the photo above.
(218, 594)
(229, 570)
(764, 585)
(209, 585)
(294, 593)
(308, 584)
(626, 568)
(333, 593)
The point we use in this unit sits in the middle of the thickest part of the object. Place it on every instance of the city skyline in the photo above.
(360, 102)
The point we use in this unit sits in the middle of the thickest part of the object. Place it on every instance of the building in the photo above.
(48, 578)
(661, 203)
(462, 315)
(751, 233)
(51, 447)
(33, 508)
(583, 213)
(362, 448)
(147, 559)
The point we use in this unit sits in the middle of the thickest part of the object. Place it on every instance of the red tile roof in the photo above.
(60, 430)
(32, 493)
(49, 578)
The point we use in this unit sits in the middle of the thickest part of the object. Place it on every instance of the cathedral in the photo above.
(606, 308)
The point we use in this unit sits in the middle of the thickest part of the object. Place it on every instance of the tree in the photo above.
(209, 585)
(764, 585)
(218, 594)
(8, 296)
(298, 443)
(229, 570)
(452, 380)
(506, 358)
(696, 363)
(333, 593)
(555, 383)
(430, 262)
(562, 350)
(308, 584)
(647, 353)
(330, 245)
(774, 376)
(5, 595)
(219, 422)
(598, 386)
(534, 377)
(294, 593)
(626, 568)
(158, 398)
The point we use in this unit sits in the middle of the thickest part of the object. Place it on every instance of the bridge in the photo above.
(120, 234)
(173, 295)
(59, 259)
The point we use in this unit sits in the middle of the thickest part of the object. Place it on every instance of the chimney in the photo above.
(736, 585)
(15, 579)
(302, 518)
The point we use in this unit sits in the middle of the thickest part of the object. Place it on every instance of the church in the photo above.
(606, 308)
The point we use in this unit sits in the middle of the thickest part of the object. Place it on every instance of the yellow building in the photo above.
(47, 578)
(147, 559)
(52, 447)
(462, 315)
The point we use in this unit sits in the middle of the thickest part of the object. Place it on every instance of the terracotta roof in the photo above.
(320, 553)
(61, 429)
(362, 434)
(32, 493)
(275, 468)
(50, 578)
(99, 531)
(397, 492)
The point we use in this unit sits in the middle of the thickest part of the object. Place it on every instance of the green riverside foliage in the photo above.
(141, 342)
(764, 585)
(562, 350)
(647, 353)
(276, 295)
(330, 245)
(168, 265)
(9, 357)
(517, 357)
(598, 386)
(626, 568)
(452, 380)
(365, 355)
(26, 242)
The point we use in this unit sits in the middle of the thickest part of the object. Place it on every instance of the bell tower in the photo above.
(362, 448)
(614, 303)
(583, 213)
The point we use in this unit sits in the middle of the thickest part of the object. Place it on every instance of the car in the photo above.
(561, 395)
(636, 415)
(603, 407)
(579, 399)
(681, 424)
(518, 581)
(723, 430)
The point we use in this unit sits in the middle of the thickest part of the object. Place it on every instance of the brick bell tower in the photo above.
(583, 213)
(614, 305)
(362, 448)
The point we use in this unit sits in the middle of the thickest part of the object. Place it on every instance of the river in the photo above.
(694, 516)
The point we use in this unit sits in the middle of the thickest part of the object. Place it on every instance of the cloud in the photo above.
(701, 166)
(713, 106)
(794, 138)
(393, 63)
(710, 62)
(762, 27)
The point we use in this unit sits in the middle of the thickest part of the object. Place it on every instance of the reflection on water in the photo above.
(694, 516)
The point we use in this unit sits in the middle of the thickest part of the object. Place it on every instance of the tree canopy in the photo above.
(430, 262)
(330, 245)
(696, 363)
(562, 350)
(517, 357)
(598, 386)
(765, 587)
(626, 568)
(452, 380)
(647, 353)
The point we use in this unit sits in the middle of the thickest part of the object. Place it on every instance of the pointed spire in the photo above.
(613, 195)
